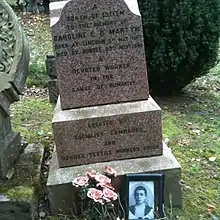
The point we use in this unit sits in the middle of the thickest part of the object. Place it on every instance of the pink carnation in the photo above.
(95, 194)
(109, 195)
(107, 185)
(102, 178)
(80, 181)
(91, 174)
(109, 170)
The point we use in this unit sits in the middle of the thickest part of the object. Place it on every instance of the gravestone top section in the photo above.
(14, 51)
(99, 49)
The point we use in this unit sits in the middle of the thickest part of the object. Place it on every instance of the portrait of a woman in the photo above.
(141, 209)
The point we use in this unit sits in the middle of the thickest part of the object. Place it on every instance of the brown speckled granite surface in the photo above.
(105, 133)
(100, 53)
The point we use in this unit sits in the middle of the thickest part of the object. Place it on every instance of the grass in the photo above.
(32, 118)
(37, 29)
(192, 125)
(191, 122)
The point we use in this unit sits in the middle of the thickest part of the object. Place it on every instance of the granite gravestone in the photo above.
(100, 56)
(102, 132)
(126, 134)
(14, 59)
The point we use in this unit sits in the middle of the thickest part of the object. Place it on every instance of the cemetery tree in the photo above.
(181, 41)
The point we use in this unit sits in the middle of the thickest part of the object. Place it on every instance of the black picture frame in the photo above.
(151, 200)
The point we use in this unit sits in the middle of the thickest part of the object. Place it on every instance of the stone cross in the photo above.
(14, 59)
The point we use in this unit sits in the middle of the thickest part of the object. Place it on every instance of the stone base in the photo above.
(10, 149)
(53, 90)
(61, 192)
(108, 132)
(18, 196)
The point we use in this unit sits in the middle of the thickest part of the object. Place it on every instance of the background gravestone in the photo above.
(14, 59)
(34, 6)
(52, 82)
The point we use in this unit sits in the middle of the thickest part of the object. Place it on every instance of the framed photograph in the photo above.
(145, 196)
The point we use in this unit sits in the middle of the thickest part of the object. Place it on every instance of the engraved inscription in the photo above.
(108, 133)
(104, 50)
(107, 152)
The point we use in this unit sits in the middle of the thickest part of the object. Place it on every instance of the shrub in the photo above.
(181, 41)
(37, 75)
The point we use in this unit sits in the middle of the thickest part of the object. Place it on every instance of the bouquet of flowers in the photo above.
(97, 195)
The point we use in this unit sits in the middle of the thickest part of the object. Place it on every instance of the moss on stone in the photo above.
(26, 179)
(18, 192)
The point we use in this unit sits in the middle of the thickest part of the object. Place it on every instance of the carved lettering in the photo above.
(117, 66)
(91, 69)
(100, 153)
(118, 84)
(104, 44)
(88, 135)
(127, 150)
(60, 46)
(92, 50)
(104, 23)
(118, 31)
(127, 131)
(100, 124)
(61, 54)
(94, 7)
(81, 89)
(107, 14)
(107, 77)
(93, 42)
(68, 37)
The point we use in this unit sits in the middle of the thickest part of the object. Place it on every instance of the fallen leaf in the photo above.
(197, 131)
(210, 206)
(212, 159)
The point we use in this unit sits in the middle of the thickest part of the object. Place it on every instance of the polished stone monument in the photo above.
(105, 114)
(100, 56)
(130, 125)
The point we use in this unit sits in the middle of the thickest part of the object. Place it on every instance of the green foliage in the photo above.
(181, 39)
(37, 75)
